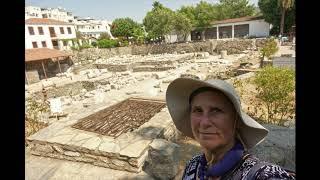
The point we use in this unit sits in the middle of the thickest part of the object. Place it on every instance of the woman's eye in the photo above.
(216, 110)
(196, 110)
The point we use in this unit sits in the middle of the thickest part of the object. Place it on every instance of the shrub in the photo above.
(34, 109)
(107, 43)
(94, 44)
(275, 88)
(270, 48)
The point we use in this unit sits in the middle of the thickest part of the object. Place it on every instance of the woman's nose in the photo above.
(205, 121)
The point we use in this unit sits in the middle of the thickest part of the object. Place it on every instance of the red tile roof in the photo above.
(246, 18)
(46, 21)
(44, 53)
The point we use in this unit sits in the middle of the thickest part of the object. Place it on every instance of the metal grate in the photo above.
(120, 118)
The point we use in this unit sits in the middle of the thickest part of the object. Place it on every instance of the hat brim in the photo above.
(177, 98)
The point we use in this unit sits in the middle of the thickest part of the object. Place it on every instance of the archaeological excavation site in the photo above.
(111, 111)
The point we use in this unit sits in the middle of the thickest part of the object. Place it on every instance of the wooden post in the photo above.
(26, 76)
(217, 32)
(45, 74)
(59, 65)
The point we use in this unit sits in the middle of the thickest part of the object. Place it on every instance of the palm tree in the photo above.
(284, 5)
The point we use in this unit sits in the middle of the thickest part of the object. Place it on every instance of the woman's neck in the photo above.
(213, 156)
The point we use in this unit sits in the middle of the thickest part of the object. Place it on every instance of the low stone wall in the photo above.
(210, 46)
(234, 46)
(118, 67)
(67, 89)
(151, 69)
(260, 42)
(153, 63)
(95, 157)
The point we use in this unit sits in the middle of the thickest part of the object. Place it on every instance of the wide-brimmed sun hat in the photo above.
(177, 98)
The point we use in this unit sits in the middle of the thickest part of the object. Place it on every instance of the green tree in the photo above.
(272, 14)
(182, 25)
(189, 12)
(284, 5)
(205, 13)
(159, 21)
(139, 35)
(234, 9)
(104, 35)
(123, 27)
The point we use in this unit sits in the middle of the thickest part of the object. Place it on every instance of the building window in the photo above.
(69, 30)
(31, 31)
(44, 44)
(55, 44)
(64, 43)
(61, 30)
(40, 29)
(52, 32)
(34, 44)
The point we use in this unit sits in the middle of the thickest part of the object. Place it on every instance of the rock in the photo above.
(132, 92)
(163, 160)
(108, 87)
(152, 92)
(104, 82)
(83, 72)
(43, 148)
(103, 71)
(66, 101)
(223, 54)
(88, 95)
(126, 73)
(206, 54)
(58, 149)
(84, 91)
(71, 153)
(47, 84)
(157, 85)
(91, 75)
(114, 86)
(278, 147)
(159, 75)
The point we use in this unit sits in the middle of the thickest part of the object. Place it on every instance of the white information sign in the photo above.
(55, 105)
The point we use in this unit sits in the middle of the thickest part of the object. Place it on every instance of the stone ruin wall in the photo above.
(213, 47)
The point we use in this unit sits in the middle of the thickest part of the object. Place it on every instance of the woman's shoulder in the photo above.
(193, 162)
(190, 170)
(253, 168)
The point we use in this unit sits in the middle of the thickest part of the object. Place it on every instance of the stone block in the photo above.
(163, 160)
(71, 153)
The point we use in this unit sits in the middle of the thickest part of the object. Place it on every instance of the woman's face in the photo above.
(212, 120)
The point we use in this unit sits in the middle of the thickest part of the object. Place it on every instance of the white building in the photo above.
(250, 26)
(48, 33)
(32, 12)
(59, 13)
(90, 27)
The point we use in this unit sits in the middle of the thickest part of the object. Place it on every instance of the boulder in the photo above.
(206, 54)
(278, 147)
(159, 75)
(163, 160)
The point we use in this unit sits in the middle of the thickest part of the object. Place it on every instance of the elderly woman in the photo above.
(210, 112)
